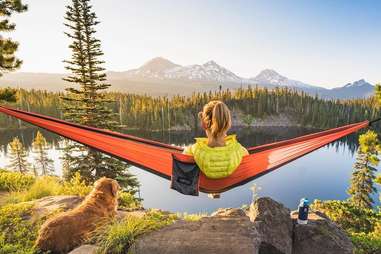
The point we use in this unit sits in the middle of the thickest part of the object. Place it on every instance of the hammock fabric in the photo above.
(158, 157)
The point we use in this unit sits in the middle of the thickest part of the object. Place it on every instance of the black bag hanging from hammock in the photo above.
(185, 178)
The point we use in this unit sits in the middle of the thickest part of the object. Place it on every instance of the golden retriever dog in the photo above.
(68, 230)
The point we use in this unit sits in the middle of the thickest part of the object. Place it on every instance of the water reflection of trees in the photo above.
(26, 136)
(247, 136)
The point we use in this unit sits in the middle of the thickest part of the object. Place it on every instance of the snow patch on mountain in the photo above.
(357, 83)
(209, 71)
(160, 68)
(271, 77)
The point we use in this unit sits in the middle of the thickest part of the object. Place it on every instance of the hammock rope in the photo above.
(157, 157)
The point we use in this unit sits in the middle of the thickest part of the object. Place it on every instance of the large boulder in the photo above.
(272, 221)
(47, 205)
(320, 235)
(85, 249)
(227, 231)
(266, 228)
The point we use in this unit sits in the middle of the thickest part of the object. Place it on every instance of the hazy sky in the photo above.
(327, 43)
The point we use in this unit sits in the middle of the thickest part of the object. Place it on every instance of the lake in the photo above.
(323, 174)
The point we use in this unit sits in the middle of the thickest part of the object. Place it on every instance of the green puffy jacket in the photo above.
(217, 162)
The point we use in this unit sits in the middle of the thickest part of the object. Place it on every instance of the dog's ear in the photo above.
(114, 188)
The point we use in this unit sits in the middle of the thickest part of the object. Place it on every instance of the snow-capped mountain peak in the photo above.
(160, 68)
(273, 78)
(357, 83)
(270, 76)
(209, 71)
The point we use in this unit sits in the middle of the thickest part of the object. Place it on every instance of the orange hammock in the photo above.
(158, 157)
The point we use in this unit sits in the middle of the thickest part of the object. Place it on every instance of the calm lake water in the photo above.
(323, 174)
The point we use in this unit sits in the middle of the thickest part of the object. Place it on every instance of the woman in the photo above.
(219, 154)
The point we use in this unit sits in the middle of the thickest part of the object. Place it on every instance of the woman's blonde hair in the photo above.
(216, 117)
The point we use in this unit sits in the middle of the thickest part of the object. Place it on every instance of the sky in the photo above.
(320, 42)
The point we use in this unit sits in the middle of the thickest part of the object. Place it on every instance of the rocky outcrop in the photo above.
(272, 221)
(265, 228)
(227, 231)
(47, 205)
(320, 235)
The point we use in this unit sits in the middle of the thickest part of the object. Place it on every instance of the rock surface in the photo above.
(266, 228)
(85, 249)
(320, 235)
(226, 232)
(47, 205)
(274, 225)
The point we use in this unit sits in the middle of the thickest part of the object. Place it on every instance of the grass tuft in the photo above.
(191, 217)
(118, 236)
(50, 186)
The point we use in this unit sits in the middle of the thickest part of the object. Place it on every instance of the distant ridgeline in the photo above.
(177, 112)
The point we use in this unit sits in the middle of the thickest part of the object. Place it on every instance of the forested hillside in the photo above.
(158, 113)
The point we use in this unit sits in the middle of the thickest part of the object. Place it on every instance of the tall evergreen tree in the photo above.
(18, 156)
(8, 94)
(87, 104)
(44, 163)
(377, 92)
(8, 48)
(363, 176)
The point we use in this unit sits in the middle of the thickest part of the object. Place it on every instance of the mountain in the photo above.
(160, 76)
(163, 69)
(154, 68)
(270, 77)
(357, 89)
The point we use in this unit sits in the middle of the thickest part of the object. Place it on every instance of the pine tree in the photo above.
(363, 176)
(87, 104)
(18, 156)
(42, 160)
(8, 94)
(8, 48)
(377, 92)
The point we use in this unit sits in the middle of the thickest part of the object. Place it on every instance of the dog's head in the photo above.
(107, 185)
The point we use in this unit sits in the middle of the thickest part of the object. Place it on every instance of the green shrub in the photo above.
(17, 235)
(118, 236)
(13, 181)
(362, 225)
(348, 216)
(43, 187)
(19, 228)
(50, 186)
(76, 186)
(127, 200)
(366, 243)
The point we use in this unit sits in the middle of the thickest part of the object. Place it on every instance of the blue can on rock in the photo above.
(303, 211)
